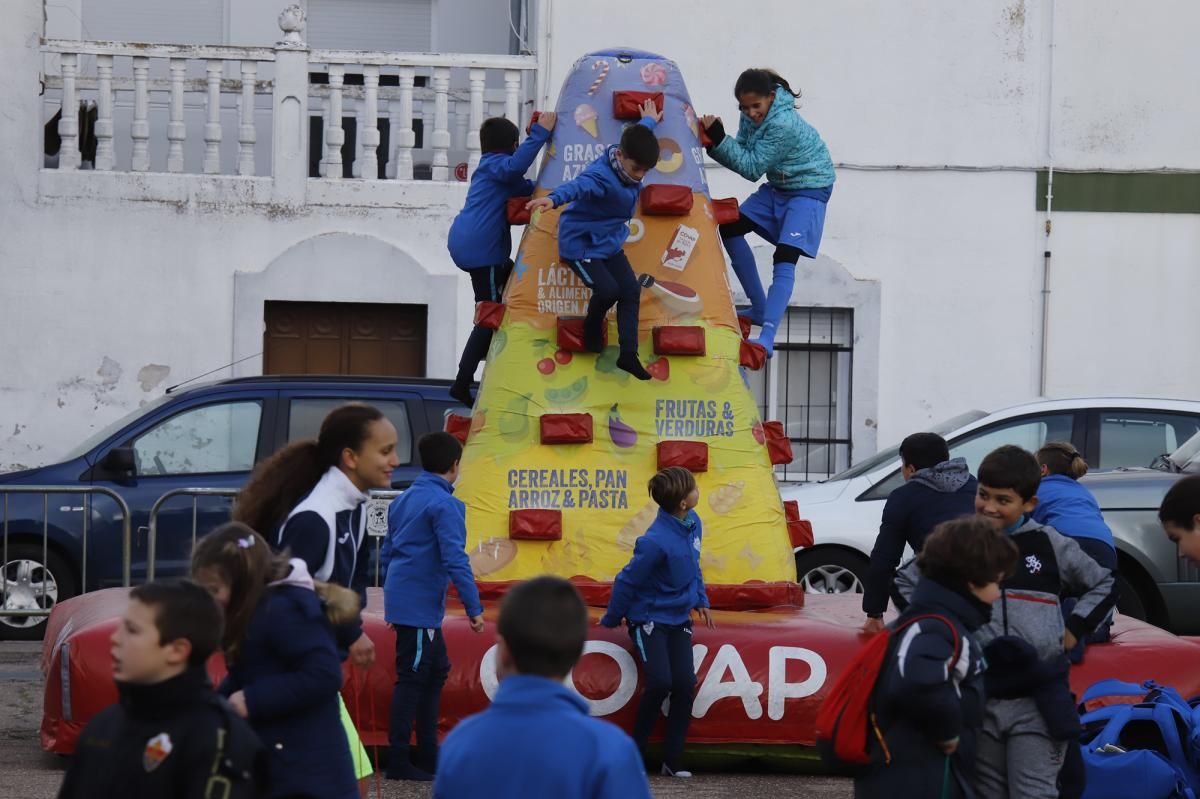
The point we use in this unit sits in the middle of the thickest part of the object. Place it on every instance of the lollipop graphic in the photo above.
(585, 117)
(654, 74)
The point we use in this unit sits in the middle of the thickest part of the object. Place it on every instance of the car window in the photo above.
(1027, 433)
(222, 437)
(1137, 438)
(891, 453)
(306, 414)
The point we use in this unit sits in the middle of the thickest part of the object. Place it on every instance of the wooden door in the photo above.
(345, 338)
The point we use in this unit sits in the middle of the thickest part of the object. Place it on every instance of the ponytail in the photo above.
(245, 562)
(762, 82)
(1061, 458)
(280, 482)
(277, 485)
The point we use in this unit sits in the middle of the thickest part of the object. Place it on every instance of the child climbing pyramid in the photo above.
(561, 442)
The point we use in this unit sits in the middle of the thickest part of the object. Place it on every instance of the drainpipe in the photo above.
(1049, 224)
(544, 36)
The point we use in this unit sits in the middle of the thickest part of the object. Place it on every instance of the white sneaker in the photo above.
(666, 772)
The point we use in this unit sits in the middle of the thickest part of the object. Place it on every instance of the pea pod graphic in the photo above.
(567, 394)
(621, 434)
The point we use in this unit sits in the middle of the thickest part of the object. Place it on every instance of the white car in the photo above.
(1111, 432)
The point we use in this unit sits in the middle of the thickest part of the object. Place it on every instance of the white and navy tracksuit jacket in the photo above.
(327, 530)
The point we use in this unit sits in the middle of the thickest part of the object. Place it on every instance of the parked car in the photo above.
(210, 436)
(1112, 433)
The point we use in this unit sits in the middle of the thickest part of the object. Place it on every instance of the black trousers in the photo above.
(666, 654)
(422, 666)
(488, 283)
(612, 282)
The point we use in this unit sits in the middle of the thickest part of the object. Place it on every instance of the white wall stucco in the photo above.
(115, 287)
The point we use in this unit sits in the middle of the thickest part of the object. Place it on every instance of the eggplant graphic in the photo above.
(621, 434)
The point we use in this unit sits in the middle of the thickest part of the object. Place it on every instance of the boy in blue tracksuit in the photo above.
(422, 553)
(480, 242)
(536, 739)
(592, 233)
(656, 594)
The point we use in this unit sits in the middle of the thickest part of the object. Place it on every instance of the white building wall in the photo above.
(958, 252)
(108, 301)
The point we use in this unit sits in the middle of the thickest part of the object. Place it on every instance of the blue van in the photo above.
(209, 436)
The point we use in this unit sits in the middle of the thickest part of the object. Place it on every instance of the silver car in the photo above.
(1155, 583)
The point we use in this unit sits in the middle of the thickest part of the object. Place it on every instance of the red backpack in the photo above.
(846, 722)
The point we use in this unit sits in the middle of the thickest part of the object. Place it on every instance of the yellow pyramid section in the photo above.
(600, 487)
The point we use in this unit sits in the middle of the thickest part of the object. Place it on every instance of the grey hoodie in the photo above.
(947, 477)
(1050, 564)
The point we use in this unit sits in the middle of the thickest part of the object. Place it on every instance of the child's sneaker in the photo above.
(667, 772)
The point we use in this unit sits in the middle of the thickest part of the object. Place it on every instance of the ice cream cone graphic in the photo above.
(585, 117)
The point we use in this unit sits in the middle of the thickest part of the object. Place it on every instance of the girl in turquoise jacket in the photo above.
(789, 209)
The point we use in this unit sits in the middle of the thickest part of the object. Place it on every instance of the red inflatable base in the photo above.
(760, 675)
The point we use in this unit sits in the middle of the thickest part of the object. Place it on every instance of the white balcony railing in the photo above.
(182, 109)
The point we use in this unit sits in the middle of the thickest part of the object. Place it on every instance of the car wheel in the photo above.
(29, 581)
(830, 571)
(1129, 600)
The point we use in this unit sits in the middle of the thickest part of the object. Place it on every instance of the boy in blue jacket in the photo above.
(592, 233)
(537, 739)
(423, 552)
(656, 594)
(480, 242)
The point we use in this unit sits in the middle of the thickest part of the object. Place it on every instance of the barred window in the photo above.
(807, 386)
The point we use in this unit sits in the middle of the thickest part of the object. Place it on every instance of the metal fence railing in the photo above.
(195, 494)
(24, 571)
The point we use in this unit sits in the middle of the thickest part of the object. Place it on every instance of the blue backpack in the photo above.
(1159, 734)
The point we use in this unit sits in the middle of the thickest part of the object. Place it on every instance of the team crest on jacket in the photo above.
(1033, 564)
(156, 751)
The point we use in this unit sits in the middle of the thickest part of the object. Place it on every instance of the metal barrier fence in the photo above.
(376, 527)
(195, 494)
(376, 520)
(46, 492)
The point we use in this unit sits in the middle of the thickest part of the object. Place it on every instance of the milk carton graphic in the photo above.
(679, 249)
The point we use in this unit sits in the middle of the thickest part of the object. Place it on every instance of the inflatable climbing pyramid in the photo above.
(561, 443)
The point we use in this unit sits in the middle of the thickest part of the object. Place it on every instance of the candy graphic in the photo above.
(603, 67)
(491, 555)
(679, 249)
(722, 498)
(585, 117)
(654, 74)
(670, 155)
(621, 434)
